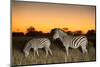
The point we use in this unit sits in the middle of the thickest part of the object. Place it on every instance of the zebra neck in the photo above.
(62, 38)
(28, 47)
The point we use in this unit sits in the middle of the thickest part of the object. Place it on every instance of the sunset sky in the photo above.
(44, 17)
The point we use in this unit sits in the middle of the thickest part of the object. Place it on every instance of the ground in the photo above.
(59, 54)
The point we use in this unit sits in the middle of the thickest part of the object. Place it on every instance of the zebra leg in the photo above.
(26, 53)
(34, 51)
(83, 46)
(46, 51)
(37, 52)
(50, 51)
(84, 50)
(67, 50)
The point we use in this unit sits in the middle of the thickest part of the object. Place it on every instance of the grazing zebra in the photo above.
(71, 41)
(38, 43)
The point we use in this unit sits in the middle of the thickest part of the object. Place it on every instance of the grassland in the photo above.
(59, 56)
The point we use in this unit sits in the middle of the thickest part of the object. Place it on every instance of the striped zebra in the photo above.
(37, 43)
(71, 41)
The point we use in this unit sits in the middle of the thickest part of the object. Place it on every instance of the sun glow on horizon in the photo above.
(44, 17)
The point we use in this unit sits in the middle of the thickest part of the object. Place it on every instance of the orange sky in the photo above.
(44, 17)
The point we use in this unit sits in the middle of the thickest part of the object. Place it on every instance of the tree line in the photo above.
(31, 31)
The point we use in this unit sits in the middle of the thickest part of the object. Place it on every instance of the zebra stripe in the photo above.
(71, 41)
(42, 41)
(38, 43)
(74, 41)
(79, 39)
(83, 40)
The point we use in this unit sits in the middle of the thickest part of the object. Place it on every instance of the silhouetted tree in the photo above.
(91, 35)
(91, 32)
(78, 32)
(31, 29)
(17, 34)
(32, 32)
(65, 28)
(70, 32)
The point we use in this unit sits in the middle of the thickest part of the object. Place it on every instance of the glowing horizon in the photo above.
(44, 17)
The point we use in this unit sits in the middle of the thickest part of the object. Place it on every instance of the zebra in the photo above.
(36, 43)
(71, 41)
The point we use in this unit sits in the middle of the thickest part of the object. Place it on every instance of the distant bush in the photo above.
(17, 34)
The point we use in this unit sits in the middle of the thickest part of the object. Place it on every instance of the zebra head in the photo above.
(27, 49)
(59, 34)
(56, 34)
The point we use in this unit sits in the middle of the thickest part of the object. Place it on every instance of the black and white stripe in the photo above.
(71, 41)
(38, 43)
(77, 40)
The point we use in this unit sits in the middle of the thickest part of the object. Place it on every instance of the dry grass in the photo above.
(59, 56)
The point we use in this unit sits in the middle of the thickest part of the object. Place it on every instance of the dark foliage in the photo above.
(17, 34)
(91, 35)
(31, 32)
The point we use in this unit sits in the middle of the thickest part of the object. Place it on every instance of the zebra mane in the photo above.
(62, 33)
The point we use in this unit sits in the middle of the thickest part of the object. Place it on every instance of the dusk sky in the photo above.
(44, 17)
